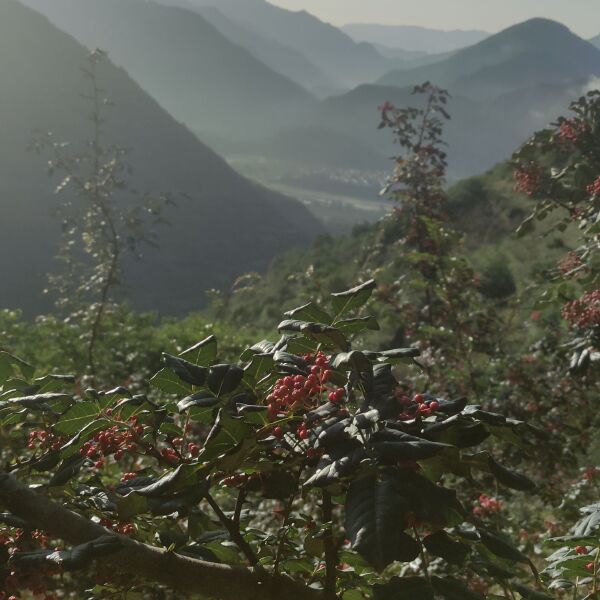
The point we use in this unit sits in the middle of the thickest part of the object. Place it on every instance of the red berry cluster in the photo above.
(35, 581)
(487, 506)
(584, 312)
(581, 550)
(478, 586)
(528, 178)
(594, 188)
(590, 473)
(571, 130)
(122, 527)
(39, 438)
(417, 405)
(570, 264)
(293, 392)
(386, 107)
(112, 442)
(192, 448)
(299, 391)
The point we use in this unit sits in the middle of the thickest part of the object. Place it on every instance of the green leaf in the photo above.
(225, 435)
(404, 588)
(8, 364)
(530, 594)
(358, 325)
(186, 371)
(78, 557)
(374, 506)
(197, 400)
(442, 545)
(501, 548)
(166, 381)
(224, 379)
(260, 364)
(391, 444)
(353, 299)
(452, 589)
(203, 353)
(309, 312)
(510, 479)
(182, 477)
(78, 417)
(590, 523)
(324, 334)
(355, 361)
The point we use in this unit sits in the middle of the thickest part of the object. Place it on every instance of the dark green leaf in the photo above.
(202, 353)
(353, 299)
(373, 523)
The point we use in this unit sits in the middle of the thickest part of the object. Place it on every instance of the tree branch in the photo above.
(331, 555)
(211, 580)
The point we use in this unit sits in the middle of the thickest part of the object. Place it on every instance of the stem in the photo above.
(424, 562)
(235, 534)
(282, 530)
(331, 555)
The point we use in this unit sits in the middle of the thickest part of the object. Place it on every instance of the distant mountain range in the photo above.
(203, 79)
(222, 225)
(346, 62)
(414, 39)
(536, 51)
(596, 41)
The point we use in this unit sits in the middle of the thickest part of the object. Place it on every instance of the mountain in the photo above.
(278, 57)
(415, 39)
(184, 62)
(222, 224)
(480, 133)
(536, 51)
(282, 59)
(346, 62)
(596, 41)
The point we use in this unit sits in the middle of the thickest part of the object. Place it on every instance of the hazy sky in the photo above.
(582, 16)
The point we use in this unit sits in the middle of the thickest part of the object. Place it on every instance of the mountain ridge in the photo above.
(223, 225)
(539, 43)
(415, 38)
(184, 62)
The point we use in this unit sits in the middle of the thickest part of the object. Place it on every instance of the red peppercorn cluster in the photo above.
(590, 473)
(293, 392)
(571, 130)
(584, 312)
(122, 527)
(39, 438)
(487, 506)
(594, 188)
(569, 264)
(192, 448)
(417, 405)
(528, 178)
(112, 441)
(35, 581)
(479, 586)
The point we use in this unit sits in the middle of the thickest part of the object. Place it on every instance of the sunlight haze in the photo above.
(582, 16)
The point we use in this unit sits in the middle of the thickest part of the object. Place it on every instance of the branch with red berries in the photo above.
(212, 580)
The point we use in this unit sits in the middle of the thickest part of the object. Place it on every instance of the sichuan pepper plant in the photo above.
(434, 296)
(302, 471)
(559, 168)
